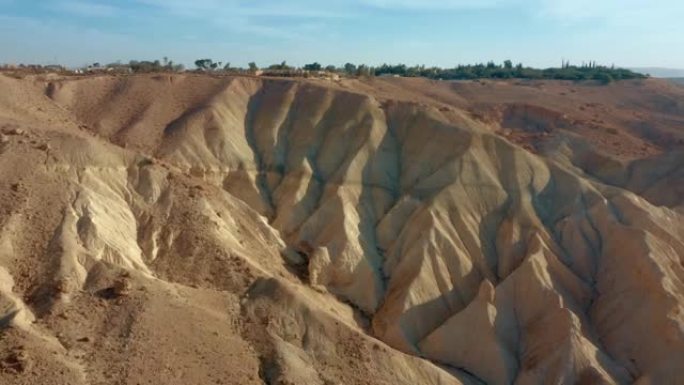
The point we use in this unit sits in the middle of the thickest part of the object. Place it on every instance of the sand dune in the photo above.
(176, 229)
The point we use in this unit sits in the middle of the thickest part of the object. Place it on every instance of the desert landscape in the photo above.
(197, 229)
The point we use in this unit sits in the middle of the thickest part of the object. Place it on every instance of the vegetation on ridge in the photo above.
(589, 71)
(490, 70)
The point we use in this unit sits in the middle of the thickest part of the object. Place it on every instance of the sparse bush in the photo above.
(282, 66)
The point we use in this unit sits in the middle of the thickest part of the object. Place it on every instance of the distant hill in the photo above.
(658, 72)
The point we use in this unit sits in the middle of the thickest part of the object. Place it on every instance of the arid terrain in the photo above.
(190, 229)
(677, 80)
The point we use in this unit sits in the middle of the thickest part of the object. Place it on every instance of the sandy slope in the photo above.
(179, 229)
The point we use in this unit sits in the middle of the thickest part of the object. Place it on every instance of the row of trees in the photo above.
(155, 66)
(211, 65)
(490, 70)
(507, 70)
(348, 69)
(139, 66)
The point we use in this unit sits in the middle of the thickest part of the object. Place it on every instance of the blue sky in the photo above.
(536, 32)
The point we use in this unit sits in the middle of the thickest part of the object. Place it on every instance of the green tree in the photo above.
(281, 66)
(363, 70)
(204, 64)
(253, 67)
(313, 66)
(350, 68)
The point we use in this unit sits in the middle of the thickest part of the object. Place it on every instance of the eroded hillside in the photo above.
(190, 229)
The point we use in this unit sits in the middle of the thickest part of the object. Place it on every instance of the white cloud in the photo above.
(84, 8)
(292, 9)
(612, 12)
(618, 27)
(430, 5)
(256, 18)
(284, 19)
(635, 12)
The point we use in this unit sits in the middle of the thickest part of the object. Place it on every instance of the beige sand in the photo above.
(185, 229)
